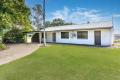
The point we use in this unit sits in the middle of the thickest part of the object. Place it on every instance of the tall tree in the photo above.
(48, 24)
(14, 13)
(38, 18)
(58, 22)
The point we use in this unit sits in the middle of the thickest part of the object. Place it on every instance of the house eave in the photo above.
(78, 29)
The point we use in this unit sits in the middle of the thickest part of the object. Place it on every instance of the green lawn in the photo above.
(65, 62)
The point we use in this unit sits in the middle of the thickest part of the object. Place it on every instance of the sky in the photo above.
(79, 11)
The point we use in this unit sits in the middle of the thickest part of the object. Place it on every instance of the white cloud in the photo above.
(61, 13)
(78, 15)
(116, 15)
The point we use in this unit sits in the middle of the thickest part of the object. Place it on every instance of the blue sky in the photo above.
(105, 5)
(79, 11)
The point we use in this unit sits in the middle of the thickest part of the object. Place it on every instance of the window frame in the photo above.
(82, 35)
(64, 36)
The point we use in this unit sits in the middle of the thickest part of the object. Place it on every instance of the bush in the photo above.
(14, 36)
(116, 41)
(2, 46)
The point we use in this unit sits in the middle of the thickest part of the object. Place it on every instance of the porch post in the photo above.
(39, 37)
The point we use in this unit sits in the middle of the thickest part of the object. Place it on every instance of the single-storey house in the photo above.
(99, 33)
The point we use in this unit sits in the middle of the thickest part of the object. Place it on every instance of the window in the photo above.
(65, 35)
(82, 34)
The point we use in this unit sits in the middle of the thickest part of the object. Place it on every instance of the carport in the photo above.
(33, 37)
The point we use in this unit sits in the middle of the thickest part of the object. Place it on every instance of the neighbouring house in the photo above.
(99, 33)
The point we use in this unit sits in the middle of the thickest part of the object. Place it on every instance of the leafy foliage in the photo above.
(2, 46)
(38, 19)
(13, 13)
(14, 36)
(37, 16)
(57, 22)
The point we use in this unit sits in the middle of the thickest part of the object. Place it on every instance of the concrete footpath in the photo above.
(17, 51)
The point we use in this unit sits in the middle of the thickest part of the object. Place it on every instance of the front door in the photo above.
(97, 38)
(54, 37)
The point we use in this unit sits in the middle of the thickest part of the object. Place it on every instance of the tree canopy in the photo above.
(57, 22)
(14, 13)
(37, 19)
(37, 16)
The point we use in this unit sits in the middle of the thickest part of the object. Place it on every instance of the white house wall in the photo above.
(49, 37)
(74, 40)
(106, 38)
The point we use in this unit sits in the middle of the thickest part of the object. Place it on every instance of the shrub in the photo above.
(15, 35)
(2, 46)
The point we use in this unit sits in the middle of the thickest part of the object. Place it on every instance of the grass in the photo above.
(65, 62)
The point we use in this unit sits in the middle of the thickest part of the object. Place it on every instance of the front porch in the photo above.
(38, 37)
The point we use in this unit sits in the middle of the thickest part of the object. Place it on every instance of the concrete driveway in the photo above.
(17, 51)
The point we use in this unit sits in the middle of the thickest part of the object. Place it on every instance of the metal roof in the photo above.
(96, 25)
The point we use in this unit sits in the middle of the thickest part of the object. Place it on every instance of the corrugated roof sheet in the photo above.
(97, 25)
